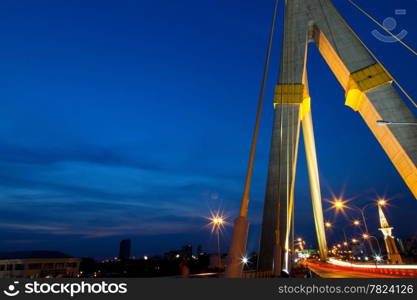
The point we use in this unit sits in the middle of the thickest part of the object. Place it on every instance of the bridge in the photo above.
(369, 91)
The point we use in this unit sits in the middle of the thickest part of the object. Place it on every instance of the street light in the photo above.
(367, 236)
(362, 211)
(384, 123)
(355, 223)
(217, 222)
(245, 260)
(328, 224)
(382, 202)
(300, 243)
(379, 202)
(339, 204)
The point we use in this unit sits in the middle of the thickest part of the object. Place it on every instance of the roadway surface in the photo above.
(328, 271)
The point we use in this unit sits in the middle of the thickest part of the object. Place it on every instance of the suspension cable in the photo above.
(245, 198)
(383, 27)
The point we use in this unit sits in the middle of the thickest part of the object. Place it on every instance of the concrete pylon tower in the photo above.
(394, 256)
(369, 92)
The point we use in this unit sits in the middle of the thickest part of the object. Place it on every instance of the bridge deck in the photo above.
(325, 270)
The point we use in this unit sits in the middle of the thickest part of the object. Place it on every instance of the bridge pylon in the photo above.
(368, 91)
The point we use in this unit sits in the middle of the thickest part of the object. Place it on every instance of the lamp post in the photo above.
(362, 211)
(354, 223)
(384, 123)
(367, 236)
(217, 222)
(379, 202)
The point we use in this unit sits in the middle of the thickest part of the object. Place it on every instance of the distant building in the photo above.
(187, 251)
(358, 249)
(400, 245)
(215, 263)
(124, 252)
(411, 246)
(172, 255)
(38, 264)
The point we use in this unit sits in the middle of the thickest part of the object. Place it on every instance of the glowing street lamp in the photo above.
(300, 243)
(382, 202)
(339, 204)
(328, 225)
(356, 223)
(354, 241)
(365, 236)
(245, 260)
(217, 222)
(345, 243)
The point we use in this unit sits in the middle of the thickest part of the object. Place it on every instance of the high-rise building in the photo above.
(187, 251)
(124, 252)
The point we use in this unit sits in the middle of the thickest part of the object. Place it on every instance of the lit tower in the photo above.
(393, 254)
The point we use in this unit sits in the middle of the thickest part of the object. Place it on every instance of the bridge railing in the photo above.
(257, 274)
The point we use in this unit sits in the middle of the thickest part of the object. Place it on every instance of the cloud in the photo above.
(15, 154)
(154, 226)
(94, 193)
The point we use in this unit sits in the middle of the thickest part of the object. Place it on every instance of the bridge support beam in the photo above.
(313, 174)
(279, 195)
(237, 248)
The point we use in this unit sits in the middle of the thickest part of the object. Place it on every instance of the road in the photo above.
(327, 271)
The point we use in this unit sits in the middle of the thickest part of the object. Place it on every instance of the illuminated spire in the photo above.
(382, 219)
(394, 256)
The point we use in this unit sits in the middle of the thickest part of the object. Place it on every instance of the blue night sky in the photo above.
(133, 119)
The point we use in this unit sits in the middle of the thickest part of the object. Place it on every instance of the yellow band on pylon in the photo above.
(293, 93)
(363, 81)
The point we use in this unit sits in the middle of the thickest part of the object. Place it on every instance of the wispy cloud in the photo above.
(143, 229)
